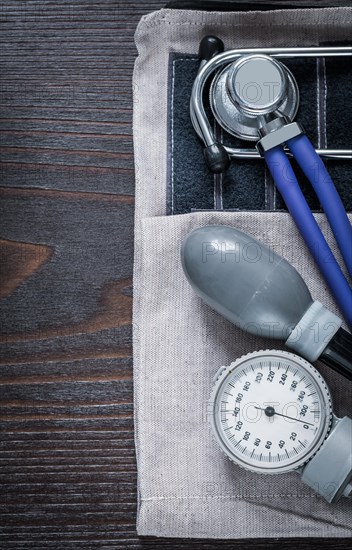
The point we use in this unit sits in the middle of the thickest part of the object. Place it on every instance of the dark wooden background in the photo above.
(67, 462)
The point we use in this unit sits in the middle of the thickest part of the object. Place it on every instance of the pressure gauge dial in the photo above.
(271, 411)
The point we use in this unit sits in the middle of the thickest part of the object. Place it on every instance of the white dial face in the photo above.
(271, 411)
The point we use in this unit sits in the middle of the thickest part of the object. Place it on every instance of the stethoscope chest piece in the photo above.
(247, 92)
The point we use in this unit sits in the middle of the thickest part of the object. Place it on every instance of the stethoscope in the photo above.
(255, 97)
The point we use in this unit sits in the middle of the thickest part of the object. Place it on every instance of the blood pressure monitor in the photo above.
(271, 413)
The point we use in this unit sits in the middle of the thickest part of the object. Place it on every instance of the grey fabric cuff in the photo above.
(186, 487)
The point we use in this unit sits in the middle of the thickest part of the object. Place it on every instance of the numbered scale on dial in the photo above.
(271, 411)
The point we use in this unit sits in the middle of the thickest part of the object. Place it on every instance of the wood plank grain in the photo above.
(68, 62)
(112, 180)
(19, 261)
(84, 280)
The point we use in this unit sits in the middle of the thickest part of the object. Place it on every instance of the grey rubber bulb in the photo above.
(262, 293)
(245, 281)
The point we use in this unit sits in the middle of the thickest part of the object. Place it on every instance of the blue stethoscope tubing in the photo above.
(314, 169)
(286, 182)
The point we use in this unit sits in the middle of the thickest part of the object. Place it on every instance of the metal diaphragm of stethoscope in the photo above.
(254, 96)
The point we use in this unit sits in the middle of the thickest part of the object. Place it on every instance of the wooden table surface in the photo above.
(67, 461)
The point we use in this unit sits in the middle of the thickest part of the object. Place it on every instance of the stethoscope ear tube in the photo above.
(286, 182)
(314, 169)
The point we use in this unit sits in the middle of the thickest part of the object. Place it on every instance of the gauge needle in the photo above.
(270, 411)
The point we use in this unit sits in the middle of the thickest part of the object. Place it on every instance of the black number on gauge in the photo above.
(239, 398)
(271, 376)
(301, 395)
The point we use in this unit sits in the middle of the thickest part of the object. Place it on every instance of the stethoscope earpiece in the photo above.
(209, 47)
